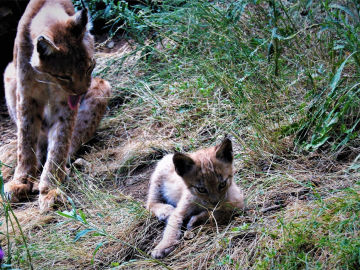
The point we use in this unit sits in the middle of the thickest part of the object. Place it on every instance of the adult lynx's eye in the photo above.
(63, 78)
(201, 189)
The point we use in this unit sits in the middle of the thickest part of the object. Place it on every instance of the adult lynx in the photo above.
(50, 94)
(188, 187)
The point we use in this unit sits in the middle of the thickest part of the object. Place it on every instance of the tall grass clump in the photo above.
(323, 236)
(217, 59)
(332, 117)
(283, 69)
(110, 16)
(19, 255)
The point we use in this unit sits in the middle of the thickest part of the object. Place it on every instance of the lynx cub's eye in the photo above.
(201, 190)
(222, 185)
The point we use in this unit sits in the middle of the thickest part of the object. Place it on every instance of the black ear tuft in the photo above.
(183, 164)
(224, 151)
(80, 22)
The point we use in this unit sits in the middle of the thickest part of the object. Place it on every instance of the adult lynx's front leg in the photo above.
(69, 134)
(59, 139)
(28, 113)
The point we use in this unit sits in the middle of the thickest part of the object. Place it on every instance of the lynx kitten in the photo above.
(189, 187)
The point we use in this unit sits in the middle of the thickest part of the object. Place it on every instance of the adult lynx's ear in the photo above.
(80, 22)
(183, 164)
(224, 151)
(45, 46)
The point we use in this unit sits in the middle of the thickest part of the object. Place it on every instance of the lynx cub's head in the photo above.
(208, 172)
(63, 50)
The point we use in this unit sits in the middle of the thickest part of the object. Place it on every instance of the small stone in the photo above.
(111, 44)
(188, 235)
(81, 163)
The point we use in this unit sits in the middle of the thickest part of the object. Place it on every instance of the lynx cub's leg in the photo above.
(26, 111)
(172, 231)
(197, 219)
(92, 109)
(155, 202)
(161, 210)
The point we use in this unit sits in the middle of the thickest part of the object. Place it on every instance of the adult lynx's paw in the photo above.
(47, 200)
(15, 190)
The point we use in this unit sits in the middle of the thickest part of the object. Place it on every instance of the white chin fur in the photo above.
(35, 60)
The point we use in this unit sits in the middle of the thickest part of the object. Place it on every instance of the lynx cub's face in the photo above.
(207, 173)
(64, 53)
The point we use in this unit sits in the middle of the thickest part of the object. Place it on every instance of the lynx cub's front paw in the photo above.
(164, 212)
(47, 200)
(162, 250)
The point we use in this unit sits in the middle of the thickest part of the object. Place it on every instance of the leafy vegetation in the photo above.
(258, 59)
(11, 221)
(280, 77)
(323, 237)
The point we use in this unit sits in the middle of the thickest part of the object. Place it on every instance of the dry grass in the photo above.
(119, 162)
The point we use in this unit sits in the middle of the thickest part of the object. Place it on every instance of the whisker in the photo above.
(42, 81)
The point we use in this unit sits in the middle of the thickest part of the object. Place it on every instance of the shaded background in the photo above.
(10, 13)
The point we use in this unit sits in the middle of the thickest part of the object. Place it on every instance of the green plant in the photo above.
(11, 220)
(112, 16)
(326, 236)
(333, 114)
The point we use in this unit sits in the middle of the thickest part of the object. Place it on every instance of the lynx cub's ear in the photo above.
(183, 164)
(45, 46)
(224, 151)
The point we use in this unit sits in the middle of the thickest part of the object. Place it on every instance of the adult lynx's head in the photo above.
(208, 172)
(63, 49)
